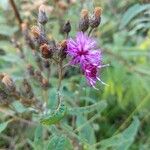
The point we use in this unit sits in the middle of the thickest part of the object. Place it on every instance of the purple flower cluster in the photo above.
(83, 52)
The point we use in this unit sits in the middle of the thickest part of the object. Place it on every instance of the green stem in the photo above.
(91, 29)
(60, 73)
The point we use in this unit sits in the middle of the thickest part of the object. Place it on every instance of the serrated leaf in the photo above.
(132, 12)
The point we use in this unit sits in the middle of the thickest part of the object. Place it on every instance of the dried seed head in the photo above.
(1, 76)
(27, 36)
(30, 70)
(45, 84)
(26, 86)
(97, 12)
(38, 75)
(35, 30)
(67, 27)
(24, 27)
(63, 49)
(46, 51)
(95, 20)
(9, 84)
(27, 89)
(84, 20)
(42, 18)
(4, 101)
(62, 5)
(84, 13)
(63, 44)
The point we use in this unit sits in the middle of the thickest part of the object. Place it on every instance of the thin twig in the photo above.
(16, 12)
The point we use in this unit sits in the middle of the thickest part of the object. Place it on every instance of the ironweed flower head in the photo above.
(83, 52)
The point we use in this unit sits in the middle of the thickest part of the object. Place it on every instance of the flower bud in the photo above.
(63, 49)
(27, 36)
(3, 99)
(30, 70)
(27, 89)
(45, 84)
(62, 5)
(1, 76)
(96, 18)
(67, 27)
(84, 21)
(46, 51)
(46, 64)
(35, 30)
(42, 18)
(38, 75)
(9, 84)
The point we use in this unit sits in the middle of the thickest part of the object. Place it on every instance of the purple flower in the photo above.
(83, 52)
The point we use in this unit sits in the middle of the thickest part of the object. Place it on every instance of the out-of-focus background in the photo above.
(124, 38)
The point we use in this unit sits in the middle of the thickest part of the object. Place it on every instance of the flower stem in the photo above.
(91, 29)
(60, 72)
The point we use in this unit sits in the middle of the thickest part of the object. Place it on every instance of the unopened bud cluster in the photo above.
(92, 21)
(10, 93)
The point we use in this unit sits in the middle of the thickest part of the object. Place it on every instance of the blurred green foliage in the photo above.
(124, 38)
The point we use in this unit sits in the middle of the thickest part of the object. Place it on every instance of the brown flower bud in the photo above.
(45, 84)
(38, 75)
(27, 89)
(27, 36)
(35, 30)
(9, 84)
(84, 20)
(63, 44)
(97, 11)
(67, 27)
(42, 18)
(4, 99)
(95, 20)
(30, 70)
(24, 27)
(1, 76)
(46, 51)
(62, 5)
(63, 49)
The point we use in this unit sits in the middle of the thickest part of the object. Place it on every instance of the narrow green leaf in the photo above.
(132, 12)
(100, 106)
(18, 107)
(7, 30)
(122, 140)
(3, 126)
